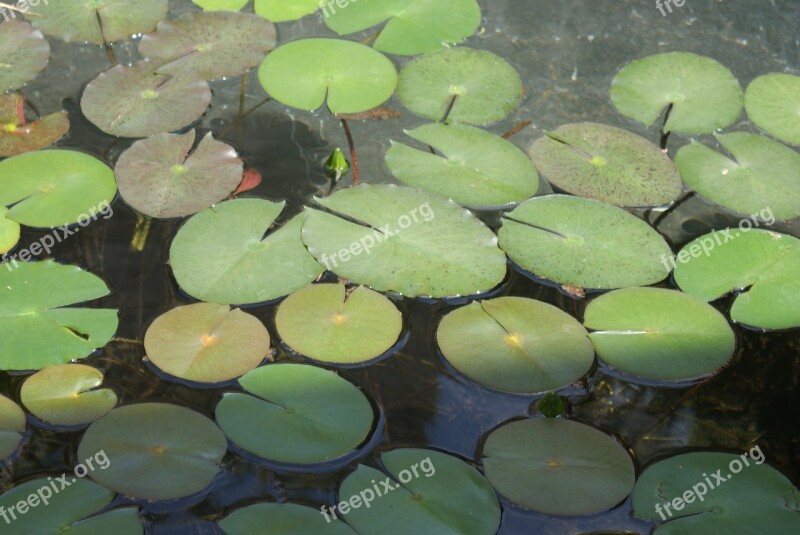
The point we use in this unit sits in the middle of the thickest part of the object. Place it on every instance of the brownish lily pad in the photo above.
(17, 136)
(24, 52)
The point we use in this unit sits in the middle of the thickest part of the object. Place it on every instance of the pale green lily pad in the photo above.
(18, 137)
(606, 163)
(431, 492)
(486, 88)
(407, 241)
(156, 451)
(762, 174)
(745, 496)
(350, 76)
(221, 5)
(281, 519)
(12, 425)
(213, 45)
(221, 255)
(763, 265)
(205, 342)
(659, 334)
(67, 394)
(38, 324)
(55, 187)
(24, 52)
(9, 231)
(704, 94)
(295, 413)
(329, 324)
(773, 104)
(135, 101)
(476, 168)
(516, 345)
(281, 10)
(584, 243)
(159, 178)
(413, 27)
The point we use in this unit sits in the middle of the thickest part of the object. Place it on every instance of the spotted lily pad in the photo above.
(281, 10)
(24, 52)
(221, 5)
(17, 136)
(282, 519)
(773, 103)
(9, 231)
(12, 425)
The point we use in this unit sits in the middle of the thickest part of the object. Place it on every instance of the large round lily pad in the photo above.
(703, 95)
(281, 519)
(12, 425)
(516, 344)
(25, 53)
(608, 164)
(295, 413)
(773, 103)
(281, 10)
(659, 334)
(557, 467)
(155, 451)
(17, 136)
(350, 76)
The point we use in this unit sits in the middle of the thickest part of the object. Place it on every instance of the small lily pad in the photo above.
(12, 425)
(281, 519)
(773, 104)
(17, 136)
(24, 52)
(281, 10)
(221, 5)
(9, 231)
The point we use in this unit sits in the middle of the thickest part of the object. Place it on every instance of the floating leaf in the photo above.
(659, 334)
(475, 85)
(155, 451)
(702, 95)
(12, 425)
(9, 231)
(24, 52)
(17, 136)
(281, 10)
(608, 164)
(222, 5)
(296, 414)
(476, 168)
(516, 345)
(583, 243)
(282, 519)
(583, 470)
(773, 104)
(221, 254)
(157, 177)
(351, 76)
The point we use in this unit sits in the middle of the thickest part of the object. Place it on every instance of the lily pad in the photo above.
(9, 231)
(135, 101)
(221, 5)
(744, 496)
(295, 413)
(281, 10)
(762, 174)
(156, 451)
(38, 324)
(213, 44)
(583, 470)
(12, 425)
(428, 492)
(205, 342)
(516, 345)
(281, 519)
(24, 52)
(330, 324)
(67, 394)
(701, 93)
(159, 178)
(763, 266)
(583, 243)
(659, 334)
(227, 254)
(413, 27)
(773, 104)
(17, 136)
(475, 169)
(350, 76)
(476, 86)
(404, 240)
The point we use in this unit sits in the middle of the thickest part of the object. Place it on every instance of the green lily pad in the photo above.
(584, 243)
(764, 266)
(350, 76)
(703, 94)
(477, 86)
(516, 345)
(24, 52)
(281, 10)
(156, 451)
(221, 5)
(17, 136)
(431, 492)
(762, 174)
(413, 27)
(281, 519)
(404, 240)
(296, 414)
(159, 178)
(135, 101)
(97, 21)
(221, 254)
(205, 342)
(608, 164)
(12, 425)
(773, 104)
(744, 496)
(659, 334)
(213, 45)
(67, 394)
(329, 324)
(583, 470)
(476, 168)
(38, 325)
(9, 231)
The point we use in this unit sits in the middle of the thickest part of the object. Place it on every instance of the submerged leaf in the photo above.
(9, 231)
(12, 425)
(17, 136)
(283, 519)
(773, 104)
(24, 52)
